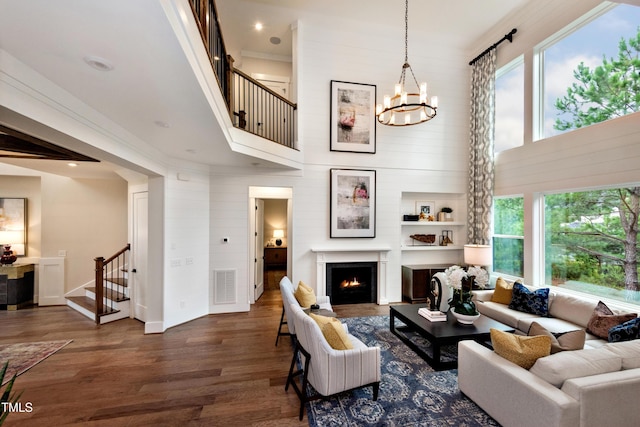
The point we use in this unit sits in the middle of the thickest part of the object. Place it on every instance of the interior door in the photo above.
(139, 247)
(259, 246)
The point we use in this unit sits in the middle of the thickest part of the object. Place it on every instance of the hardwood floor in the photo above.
(218, 370)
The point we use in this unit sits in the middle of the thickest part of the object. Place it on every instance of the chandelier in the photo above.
(407, 108)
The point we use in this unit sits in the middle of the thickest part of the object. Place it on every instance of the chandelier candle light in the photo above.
(406, 108)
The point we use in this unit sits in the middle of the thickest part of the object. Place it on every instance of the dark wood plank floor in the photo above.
(218, 370)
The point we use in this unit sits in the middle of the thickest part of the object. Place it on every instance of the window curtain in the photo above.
(481, 167)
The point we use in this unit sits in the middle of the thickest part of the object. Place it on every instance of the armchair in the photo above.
(329, 371)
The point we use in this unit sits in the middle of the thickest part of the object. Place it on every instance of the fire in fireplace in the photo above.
(352, 283)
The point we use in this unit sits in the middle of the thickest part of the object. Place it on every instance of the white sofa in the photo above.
(595, 386)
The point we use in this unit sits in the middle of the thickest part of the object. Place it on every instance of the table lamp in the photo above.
(278, 235)
(478, 255)
(8, 238)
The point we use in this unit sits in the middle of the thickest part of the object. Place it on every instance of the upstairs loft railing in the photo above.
(252, 106)
(110, 281)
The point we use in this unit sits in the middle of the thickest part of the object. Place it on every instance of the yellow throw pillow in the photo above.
(305, 295)
(503, 292)
(519, 349)
(333, 332)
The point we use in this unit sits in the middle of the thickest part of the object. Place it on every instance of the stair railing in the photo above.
(252, 106)
(109, 270)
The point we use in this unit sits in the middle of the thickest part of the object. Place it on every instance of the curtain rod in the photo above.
(493, 46)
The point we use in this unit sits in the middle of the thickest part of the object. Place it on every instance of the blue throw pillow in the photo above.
(536, 302)
(625, 332)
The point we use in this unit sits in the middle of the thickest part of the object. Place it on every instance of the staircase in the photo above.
(112, 284)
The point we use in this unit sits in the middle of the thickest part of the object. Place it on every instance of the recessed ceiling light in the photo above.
(258, 26)
(98, 63)
(162, 124)
(190, 151)
(275, 40)
(72, 165)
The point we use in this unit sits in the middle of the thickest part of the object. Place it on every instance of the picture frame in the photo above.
(425, 209)
(353, 120)
(353, 203)
(13, 224)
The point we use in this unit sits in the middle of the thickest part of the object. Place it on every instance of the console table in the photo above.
(275, 257)
(416, 280)
(16, 286)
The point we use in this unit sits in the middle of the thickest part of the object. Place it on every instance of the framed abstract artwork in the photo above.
(353, 120)
(353, 203)
(13, 224)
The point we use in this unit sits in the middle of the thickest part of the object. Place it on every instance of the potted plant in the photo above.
(461, 282)
(445, 214)
(6, 396)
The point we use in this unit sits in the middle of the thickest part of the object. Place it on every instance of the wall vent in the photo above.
(224, 286)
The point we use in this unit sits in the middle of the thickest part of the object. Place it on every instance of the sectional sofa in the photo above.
(598, 385)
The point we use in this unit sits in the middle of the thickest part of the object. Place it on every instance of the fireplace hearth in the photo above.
(352, 282)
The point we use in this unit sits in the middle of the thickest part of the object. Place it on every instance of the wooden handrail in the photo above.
(265, 88)
(102, 270)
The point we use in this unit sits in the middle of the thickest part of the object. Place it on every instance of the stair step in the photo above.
(90, 304)
(121, 281)
(109, 294)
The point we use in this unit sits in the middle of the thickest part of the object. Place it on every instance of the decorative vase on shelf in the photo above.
(465, 319)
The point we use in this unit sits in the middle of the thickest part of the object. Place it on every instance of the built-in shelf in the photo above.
(431, 248)
(432, 223)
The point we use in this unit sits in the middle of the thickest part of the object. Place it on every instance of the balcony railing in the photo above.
(252, 106)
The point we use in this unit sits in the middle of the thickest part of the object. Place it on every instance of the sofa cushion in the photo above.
(502, 313)
(629, 351)
(625, 332)
(305, 295)
(503, 292)
(521, 350)
(560, 341)
(571, 308)
(333, 331)
(552, 324)
(559, 367)
(534, 302)
(604, 319)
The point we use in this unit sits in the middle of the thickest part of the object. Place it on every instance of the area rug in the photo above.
(23, 356)
(411, 392)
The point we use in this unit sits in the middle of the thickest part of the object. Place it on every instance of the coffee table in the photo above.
(440, 333)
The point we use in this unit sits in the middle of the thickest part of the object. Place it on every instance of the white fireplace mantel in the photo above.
(359, 253)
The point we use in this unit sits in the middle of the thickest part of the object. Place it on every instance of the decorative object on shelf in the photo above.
(446, 238)
(426, 210)
(407, 108)
(445, 214)
(353, 203)
(461, 284)
(353, 125)
(429, 239)
(410, 217)
(13, 226)
(278, 235)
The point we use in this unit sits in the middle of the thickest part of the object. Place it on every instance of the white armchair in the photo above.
(287, 290)
(329, 371)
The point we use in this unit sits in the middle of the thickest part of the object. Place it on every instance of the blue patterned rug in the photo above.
(411, 393)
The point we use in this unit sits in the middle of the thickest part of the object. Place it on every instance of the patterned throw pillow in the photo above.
(536, 302)
(562, 341)
(604, 319)
(626, 332)
(520, 349)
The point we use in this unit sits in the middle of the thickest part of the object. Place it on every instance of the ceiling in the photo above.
(152, 93)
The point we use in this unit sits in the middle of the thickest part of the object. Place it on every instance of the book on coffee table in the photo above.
(433, 316)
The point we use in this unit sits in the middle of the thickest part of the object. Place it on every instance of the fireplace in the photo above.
(352, 282)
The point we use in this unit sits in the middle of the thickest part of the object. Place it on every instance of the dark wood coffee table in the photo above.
(440, 333)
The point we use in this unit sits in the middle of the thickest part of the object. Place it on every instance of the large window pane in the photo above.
(579, 87)
(508, 240)
(509, 129)
(591, 242)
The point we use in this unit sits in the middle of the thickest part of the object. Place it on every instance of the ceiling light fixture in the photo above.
(72, 165)
(406, 108)
(98, 63)
(258, 26)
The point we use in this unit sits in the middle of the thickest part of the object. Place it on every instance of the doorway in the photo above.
(271, 239)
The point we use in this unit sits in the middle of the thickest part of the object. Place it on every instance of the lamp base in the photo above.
(278, 242)
(7, 257)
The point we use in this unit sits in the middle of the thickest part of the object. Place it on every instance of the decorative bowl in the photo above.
(464, 318)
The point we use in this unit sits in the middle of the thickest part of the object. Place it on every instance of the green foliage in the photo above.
(607, 91)
(6, 394)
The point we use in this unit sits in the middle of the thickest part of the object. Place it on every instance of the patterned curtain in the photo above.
(481, 172)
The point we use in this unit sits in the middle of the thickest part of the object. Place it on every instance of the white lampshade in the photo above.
(11, 237)
(478, 255)
(278, 234)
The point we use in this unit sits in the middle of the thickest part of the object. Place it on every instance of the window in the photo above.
(509, 129)
(569, 102)
(591, 242)
(508, 240)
